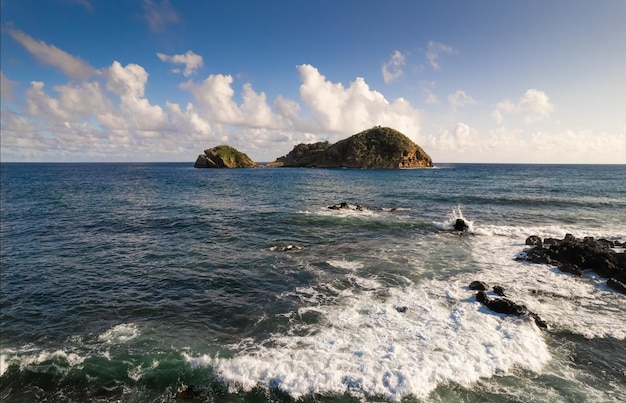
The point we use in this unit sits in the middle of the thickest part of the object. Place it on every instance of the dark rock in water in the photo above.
(478, 286)
(551, 241)
(570, 268)
(572, 255)
(501, 305)
(508, 307)
(342, 206)
(616, 285)
(402, 309)
(286, 248)
(460, 225)
(499, 290)
(534, 240)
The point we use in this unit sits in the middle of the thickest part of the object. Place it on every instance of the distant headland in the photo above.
(378, 147)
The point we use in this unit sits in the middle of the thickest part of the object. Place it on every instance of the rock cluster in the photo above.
(573, 255)
(503, 305)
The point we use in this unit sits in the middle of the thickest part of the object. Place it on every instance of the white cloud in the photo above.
(460, 99)
(393, 68)
(72, 66)
(435, 49)
(191, 61)
(534, 105)
(355, 108)
(159, 15)
(6, 87)
(215, 95)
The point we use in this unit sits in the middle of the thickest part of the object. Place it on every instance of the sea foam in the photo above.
(364, 346)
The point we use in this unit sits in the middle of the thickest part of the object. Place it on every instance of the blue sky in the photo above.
(161, 80)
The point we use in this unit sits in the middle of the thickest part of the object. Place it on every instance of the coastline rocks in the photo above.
(346, 206)
(378, 147)
(573, 255)
(223, 157)
(508, 307)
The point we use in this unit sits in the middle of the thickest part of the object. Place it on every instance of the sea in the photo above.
(138, 282)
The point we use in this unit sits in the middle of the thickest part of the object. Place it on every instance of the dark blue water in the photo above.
(132, 281)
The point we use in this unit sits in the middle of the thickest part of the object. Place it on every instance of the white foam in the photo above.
(580, 305)
(365, 346)
(120, 334)
(346, 265)
(455, 214)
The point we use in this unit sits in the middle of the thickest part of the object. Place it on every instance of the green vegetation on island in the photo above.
(223, 157)
(378, 147)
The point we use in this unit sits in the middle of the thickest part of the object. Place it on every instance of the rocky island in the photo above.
(223, 157)
(378, 147)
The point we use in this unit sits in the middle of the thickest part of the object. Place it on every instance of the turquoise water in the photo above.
(131, 281)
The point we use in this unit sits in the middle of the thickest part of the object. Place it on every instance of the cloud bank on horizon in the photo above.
(162, 88)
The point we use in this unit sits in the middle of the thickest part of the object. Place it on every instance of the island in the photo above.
(378, 147)
(224, 157)
(375, 148)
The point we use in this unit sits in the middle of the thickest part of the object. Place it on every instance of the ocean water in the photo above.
(130, 282)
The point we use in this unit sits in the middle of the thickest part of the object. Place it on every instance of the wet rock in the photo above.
(341, 206)
(616, 285)
(534, 240)
(478, 286)
(402, 309)
(498, 290)
(460, 225)
(509, 307)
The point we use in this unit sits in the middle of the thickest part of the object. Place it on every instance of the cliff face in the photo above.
(223, 157)
(378, 147)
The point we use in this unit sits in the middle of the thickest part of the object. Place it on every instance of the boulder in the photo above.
(478, 286)
(460, 225)
(508, 307)
(533, 240)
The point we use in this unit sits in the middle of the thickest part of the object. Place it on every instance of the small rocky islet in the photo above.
(375, 148)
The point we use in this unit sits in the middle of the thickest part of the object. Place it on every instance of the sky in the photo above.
(481, 81)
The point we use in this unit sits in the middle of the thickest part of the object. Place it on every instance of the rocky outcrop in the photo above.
(223, 157)
(573, 255)
(378, 147)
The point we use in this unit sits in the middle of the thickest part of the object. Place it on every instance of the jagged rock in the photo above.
(478, 286)
(508, 307)
(574, 255)
(534, 240)
(498, 290)
(223, 157)
(378, 147)
(616, 285)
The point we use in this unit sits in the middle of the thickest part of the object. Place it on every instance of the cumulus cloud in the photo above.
(352, 109)
(191, 61)
(393, 68)
(50, 55)
(534, 105)
(460, 99)
(6, 87)
(434, 50)
(159, 15)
